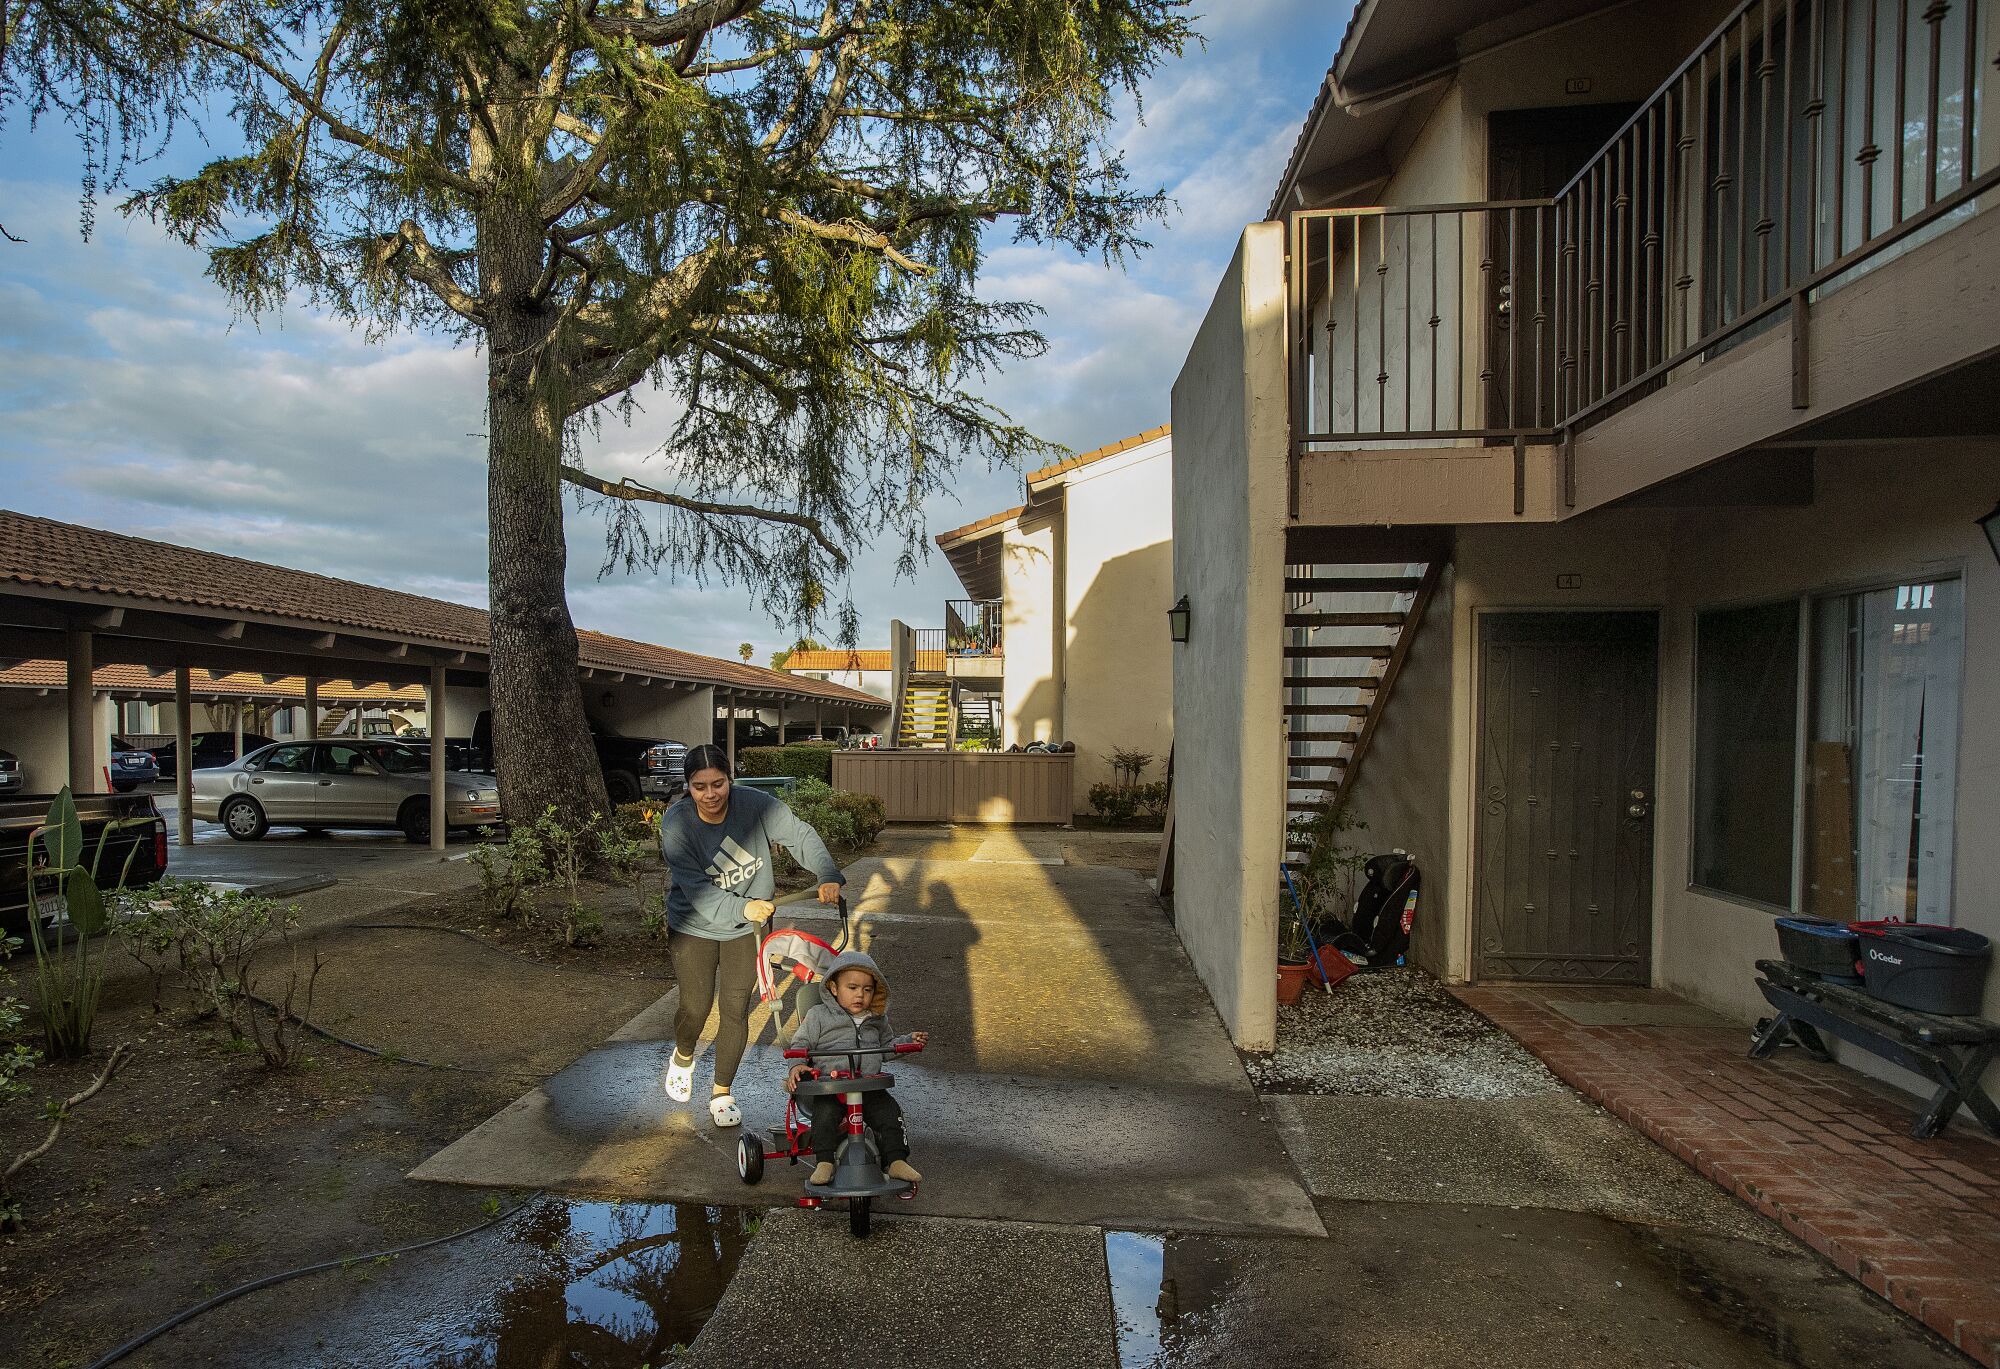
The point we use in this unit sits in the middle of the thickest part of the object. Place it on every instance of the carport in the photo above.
(89, 598)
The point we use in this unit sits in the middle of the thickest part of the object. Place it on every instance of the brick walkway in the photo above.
(1818, 1148)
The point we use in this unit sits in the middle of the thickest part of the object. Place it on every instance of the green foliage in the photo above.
(209, 938)
(1128, 803)
(775, 209)
(68, 982)
(801, 760)
(1130, 764)
(16, 1056)
(847, 822)
(1329, 865)
(550, 853)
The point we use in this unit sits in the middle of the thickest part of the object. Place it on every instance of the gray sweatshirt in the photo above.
(826, 1025)
(718, 869)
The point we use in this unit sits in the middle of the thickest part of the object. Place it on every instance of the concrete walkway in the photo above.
(1077, 1072)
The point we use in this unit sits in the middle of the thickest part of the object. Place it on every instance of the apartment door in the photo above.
(1531, 154)
(1563, 866)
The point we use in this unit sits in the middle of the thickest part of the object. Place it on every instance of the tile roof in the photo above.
(992, 520)
(138, 679)
(836, 659)
(1125, 444)
(65, 556)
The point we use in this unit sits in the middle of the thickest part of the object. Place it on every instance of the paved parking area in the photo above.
(288, 857)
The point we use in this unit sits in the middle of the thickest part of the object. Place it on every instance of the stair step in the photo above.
(1346, 619)
(1353, 584)
(1316, 763)
(1332, 682)
(1364, 651)
(1325, 710)
(1324, 736)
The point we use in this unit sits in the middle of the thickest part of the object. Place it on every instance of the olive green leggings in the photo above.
(713, 973)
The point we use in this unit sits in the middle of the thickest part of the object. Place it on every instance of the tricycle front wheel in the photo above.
(749, 1158)
(857, 1215)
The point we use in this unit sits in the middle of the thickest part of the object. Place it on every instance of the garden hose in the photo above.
(475, 937)
(393, 1057)
(182, 1318)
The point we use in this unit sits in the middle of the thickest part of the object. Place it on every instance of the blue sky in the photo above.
(131, 399)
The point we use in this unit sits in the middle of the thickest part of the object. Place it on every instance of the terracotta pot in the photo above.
(1292, 982)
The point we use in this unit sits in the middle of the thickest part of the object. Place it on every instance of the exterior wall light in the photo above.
(1180, 617)
(1990, 525)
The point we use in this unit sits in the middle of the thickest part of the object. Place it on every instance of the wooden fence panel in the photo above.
(960, 786)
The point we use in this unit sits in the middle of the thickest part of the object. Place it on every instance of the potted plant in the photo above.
(1293, 962)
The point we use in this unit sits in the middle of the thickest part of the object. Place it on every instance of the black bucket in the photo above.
(1827, 949)
(1927, 967)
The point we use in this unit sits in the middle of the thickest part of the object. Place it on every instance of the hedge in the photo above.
(801, 760)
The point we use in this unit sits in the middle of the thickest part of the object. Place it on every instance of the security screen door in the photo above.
(1563, 870)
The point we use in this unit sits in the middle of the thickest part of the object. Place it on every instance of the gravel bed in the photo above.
(1395, 1034)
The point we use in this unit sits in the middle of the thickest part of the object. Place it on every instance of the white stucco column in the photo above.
(433, 710)
(237, 727)
(80, 648)
(183, 758)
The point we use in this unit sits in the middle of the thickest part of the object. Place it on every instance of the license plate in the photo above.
(52, 909)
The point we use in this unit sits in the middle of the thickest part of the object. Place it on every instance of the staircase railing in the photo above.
(930, 651)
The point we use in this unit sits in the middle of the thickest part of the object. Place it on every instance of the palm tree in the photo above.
(746, 651)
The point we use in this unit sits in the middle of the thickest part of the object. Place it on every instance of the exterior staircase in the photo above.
(926, 716)
(331, 719)
(1347, 630)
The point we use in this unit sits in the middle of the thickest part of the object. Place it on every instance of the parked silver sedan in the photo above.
(338, 783)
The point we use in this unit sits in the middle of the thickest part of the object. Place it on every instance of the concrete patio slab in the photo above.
(1077, 1072)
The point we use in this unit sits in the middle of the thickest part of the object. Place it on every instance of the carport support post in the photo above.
(312, 706)
(183, 758)
(82, 690)
(240, 706)
(434, 715)
(732, 732)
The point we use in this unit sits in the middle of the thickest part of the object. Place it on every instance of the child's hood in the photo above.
(878, 1002)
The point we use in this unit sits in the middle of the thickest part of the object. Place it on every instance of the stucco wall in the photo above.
(636, 711)
(1862, 530)
(1229, 430)
(1118, 658)
(1031, 569)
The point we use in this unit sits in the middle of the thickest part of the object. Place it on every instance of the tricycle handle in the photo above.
(904, 1048)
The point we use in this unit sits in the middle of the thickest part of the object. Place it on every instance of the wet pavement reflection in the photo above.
(596, 1285)
(1168, 1294)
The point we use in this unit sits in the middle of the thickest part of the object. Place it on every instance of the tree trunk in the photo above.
(541, 741)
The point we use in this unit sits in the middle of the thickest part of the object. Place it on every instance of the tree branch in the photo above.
(119, 1055)
(410, 252)
(631, 491)
(856, 234)
(689, 22)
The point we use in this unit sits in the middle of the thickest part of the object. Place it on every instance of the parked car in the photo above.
(210, 749)
(338, 783)
(140, 838)
(634, 767)
(12, 781)
(809, 732)
(131, 766)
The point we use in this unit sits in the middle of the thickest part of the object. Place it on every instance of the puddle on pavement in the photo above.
(610, 1285)
(1169, 1295)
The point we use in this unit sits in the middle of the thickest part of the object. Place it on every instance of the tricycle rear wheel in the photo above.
(749, 1158)
(857, 1215)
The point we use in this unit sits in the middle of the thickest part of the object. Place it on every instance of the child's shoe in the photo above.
(822, 1173)
(901, 1171)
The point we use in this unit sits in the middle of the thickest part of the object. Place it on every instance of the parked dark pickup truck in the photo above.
(145, 843)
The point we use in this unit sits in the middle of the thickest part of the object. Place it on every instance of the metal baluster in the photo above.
(1869, 150)
(1354, 303)
(1785, 163)
(1742, 184)
(1434, 321)
(1620, 271)
(1934, 14)
(1381, 323)
(1839, 158)
(1332, 295)
(1541, 316)
(1513, 386)
(1766, 69)
(1458, 343)
(1649, 209)
(1600, 323)
(1683, 204)
(1409, 346)
(1902, 111)
(1966, 105)
(1565, 402)
(1815, 112)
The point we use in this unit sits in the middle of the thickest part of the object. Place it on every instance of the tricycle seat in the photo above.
(825, 1088)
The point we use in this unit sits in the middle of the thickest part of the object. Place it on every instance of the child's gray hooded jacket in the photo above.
(826, 1025)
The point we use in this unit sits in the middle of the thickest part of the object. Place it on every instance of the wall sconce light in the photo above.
(1990, 525)
(1180, 617)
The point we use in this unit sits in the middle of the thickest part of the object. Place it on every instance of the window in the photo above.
(1746, 747)
(1881, 753)
(344, 760)
(288, 760)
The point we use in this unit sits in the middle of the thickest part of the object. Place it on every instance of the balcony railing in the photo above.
(929, 654)
(972, 627)
(1795, 146)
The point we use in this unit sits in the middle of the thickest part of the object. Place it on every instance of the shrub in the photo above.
(845, 821)
(639, 821)
(800, 760)
(1122, 803)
